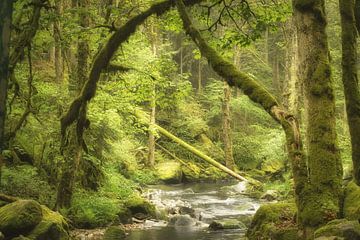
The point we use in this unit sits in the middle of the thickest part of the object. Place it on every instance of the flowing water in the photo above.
(209, 202)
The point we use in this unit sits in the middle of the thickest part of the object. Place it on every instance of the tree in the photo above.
(6, 8)
(350, 79)
(321, 199)
(226, 127)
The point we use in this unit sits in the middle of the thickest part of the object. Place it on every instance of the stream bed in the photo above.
(192, 207)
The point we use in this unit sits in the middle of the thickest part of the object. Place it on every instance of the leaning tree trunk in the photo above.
(72, 152)
(350, 79)
(5, 32)
(226, 127)
(258, 94)
(321, 200)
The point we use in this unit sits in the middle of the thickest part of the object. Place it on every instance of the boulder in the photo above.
(341, 229)
(274, 221)
(226, 224)
(137, 205)
(352, 202)
(182, 221)
(19, 217)
(52, 226)
(270, 195)
(114, 233)
(187, 210)
(169, 172)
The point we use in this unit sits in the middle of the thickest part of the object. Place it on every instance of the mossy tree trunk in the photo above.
(6, 9)
(321, 200)
(58, 60)
(350, 79)
(226, 127)
(72, 151)
(5, 32)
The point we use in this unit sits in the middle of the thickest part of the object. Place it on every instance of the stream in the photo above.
(189, 209)
(205, 202)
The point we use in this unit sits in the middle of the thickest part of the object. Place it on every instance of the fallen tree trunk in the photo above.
(195, 150)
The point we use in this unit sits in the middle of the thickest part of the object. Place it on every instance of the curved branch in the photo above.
(258, 94)
(105, 55)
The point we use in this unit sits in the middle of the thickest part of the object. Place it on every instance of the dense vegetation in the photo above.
(99, 99)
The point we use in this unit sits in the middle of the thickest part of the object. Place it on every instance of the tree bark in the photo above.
(350, 79)
(5, 32)
(6, 9)
(321, 199)
(58, 62)
(226, 127)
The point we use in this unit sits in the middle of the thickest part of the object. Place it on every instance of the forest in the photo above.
(179, 119)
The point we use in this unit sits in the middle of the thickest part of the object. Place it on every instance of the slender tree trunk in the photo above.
(292, 88)
(151, 146)
(73, 151)
(350, 79)
(58, 50)
(199, 90)
(5, 32)
(321, 200)
(226, 126)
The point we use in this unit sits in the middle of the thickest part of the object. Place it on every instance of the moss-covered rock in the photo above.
(136, 204)
(352, 202)
(226, 224)
(191, 172)
(114, 233)
(274, 221)
(52, 226)
(169, 172)
(340, 228)
(19, 217)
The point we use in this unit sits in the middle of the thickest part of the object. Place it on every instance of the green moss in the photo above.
(191, 172)
(137, 204)
(169, 172)
(19, 217)
(348, 230)
(114, 233)
(318, 207)
(274, 221)
(352, 202)
(53, 226)
(89, 210)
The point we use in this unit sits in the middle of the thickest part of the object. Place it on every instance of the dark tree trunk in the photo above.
(5, 32)
(350, 79)
(321, 200)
